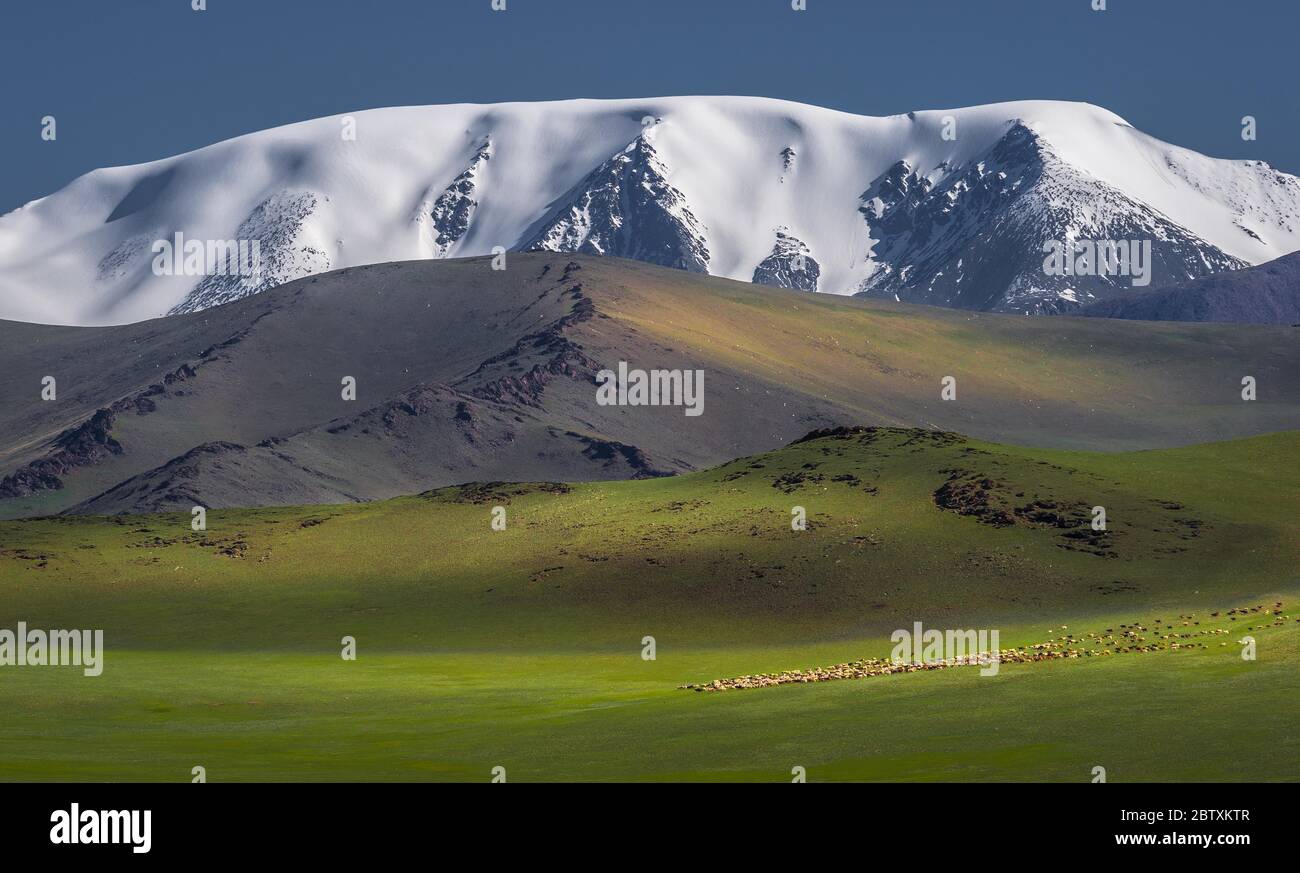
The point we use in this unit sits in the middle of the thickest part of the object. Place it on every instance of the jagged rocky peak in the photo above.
(790, 265)
(892, 200)
(274, 246)
(627, 208)
(975, 236)
(445, 220)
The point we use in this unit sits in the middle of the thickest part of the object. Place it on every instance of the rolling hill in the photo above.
(464, 373)
(1267, 294)
(522, 647)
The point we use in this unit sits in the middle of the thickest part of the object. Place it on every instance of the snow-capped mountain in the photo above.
(951, 207)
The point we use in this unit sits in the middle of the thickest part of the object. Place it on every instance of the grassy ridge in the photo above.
(522, 647)
(1077, 382)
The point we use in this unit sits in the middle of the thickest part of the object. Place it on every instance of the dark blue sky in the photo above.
(135, 80)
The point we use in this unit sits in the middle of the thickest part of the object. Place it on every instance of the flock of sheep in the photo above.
(1160, 635)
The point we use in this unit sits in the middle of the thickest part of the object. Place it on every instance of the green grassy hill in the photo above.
(522, 647)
